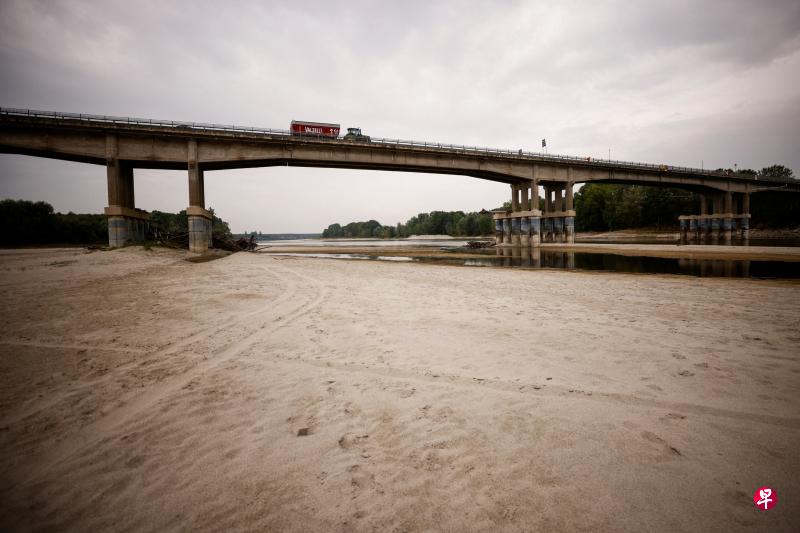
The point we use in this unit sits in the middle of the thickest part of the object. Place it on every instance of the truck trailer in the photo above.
(315, 129)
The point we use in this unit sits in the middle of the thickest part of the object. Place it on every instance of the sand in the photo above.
(142, 392)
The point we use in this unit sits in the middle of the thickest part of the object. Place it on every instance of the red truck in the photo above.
(316, 129)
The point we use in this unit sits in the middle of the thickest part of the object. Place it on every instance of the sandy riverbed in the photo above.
(142, 392)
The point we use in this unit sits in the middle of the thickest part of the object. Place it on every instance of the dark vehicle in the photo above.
(354, 134)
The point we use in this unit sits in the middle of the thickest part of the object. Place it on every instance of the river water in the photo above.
(535, 258)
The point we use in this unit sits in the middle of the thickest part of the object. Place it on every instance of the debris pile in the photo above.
(480, 244)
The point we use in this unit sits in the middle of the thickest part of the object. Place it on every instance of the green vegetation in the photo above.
(455, 223)
(168, 225)
(34, 223)
(26, 223)
(603, 207)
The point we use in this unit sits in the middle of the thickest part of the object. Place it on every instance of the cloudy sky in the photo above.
(680, 82)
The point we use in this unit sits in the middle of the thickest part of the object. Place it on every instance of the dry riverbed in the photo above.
(143, 392)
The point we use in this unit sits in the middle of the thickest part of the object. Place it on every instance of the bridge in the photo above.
(122, 144)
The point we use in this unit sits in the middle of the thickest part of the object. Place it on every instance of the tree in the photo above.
(777, 171)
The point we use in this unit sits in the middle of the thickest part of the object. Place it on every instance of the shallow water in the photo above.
(599, 262)
(535, 258)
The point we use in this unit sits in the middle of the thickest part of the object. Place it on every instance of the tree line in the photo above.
(455, 223)
(27, 223)
(605, 207)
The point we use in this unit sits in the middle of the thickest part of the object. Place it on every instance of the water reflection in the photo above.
(536, 258)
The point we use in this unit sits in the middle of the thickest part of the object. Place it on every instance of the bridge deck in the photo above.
(128, 125)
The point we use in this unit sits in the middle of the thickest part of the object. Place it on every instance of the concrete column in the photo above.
(524, 202)
(718, 203)
(727, 221)
(515, 229)
(506, 231)
(558, 229)
(199, 218)
(569, 229)
(548, 205)
(126, 191)
(684, 227)
(498, 232)
(535, 194)
(199, 229)
(536, 231)
(547, 230)
(744, 222)
(568, 195)
(693, 228)
(112, 171)
(514, 199)
(703, 205)
(524, 231)
(197, 195)
(715, 226)
(125, 222)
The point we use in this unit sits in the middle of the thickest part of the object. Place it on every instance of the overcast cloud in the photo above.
(678, 82)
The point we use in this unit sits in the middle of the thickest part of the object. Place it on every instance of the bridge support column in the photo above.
(125, 223)
(693, 228)
(558, 229)
(727, 216)
(569, 220)
(536, 231)
(524, 200)
(744, 222)
(515, 229)
(524, 231)
(569, 230)
(514, 198)
(547, 229)
(498, 231)
(506, 231)
(715, 227)
(199, 218)
(199, 229)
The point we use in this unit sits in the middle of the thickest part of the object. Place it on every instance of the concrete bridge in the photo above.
(123, 144)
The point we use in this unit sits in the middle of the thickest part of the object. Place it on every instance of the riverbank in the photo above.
(256, 392)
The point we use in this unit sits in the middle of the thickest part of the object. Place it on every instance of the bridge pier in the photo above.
(558, 220)
(724, 222)
(524, 231)
(200, 236)
(520, 226)
(744, 222)
(125, 222)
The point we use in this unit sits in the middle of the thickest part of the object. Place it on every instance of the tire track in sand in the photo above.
(145, 401)
(158, 355)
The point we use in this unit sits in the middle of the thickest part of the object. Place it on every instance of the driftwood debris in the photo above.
(480, 244)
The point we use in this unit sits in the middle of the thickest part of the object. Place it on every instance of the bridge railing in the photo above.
(206, 127)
